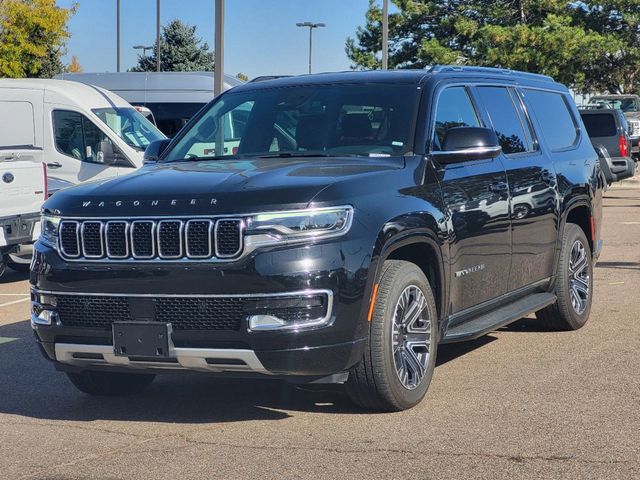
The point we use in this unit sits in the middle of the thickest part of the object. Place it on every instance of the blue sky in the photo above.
(261, 36)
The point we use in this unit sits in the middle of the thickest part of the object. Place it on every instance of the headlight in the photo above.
(49, 229)
(299, 225)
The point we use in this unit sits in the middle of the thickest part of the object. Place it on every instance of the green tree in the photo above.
(587, 45)
(242, 76)
(180, 51)
(33, 34)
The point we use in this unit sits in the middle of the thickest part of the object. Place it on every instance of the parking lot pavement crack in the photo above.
(78, 427)
(50, 469)
(402, 451)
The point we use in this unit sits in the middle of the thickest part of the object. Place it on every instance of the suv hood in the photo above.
(215, 187)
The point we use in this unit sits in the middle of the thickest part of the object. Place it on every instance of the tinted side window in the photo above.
(599, 125)
(78, 137)
(505, 119)
(554, 117)
(454, 110)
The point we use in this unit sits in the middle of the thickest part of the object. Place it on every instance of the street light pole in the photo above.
(218, 67)
(117, 35)
(385, 34)
(311, 26)
(143, 48)
(158, 35)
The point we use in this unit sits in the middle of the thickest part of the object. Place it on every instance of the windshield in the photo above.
(307, 120)
(624, 104)
(130, 126)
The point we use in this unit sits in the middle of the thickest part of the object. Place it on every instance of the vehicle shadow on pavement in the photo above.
(526, 325)
(31, 387)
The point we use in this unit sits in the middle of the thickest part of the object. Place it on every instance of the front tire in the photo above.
(573, 283)
(110, 383)
(399, 358)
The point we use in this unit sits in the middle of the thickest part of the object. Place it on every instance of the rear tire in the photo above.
(400, 354)
(573, 283)
(110, 383)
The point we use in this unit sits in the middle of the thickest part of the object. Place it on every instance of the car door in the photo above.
(532, 186)
(476, 197)
(78, 150)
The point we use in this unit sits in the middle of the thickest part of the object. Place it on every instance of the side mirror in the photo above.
(462, 144)
(154, 150)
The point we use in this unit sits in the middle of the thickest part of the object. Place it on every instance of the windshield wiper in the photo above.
(300, 155)
(201, 159)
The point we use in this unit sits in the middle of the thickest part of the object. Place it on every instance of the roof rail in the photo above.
(502, 71)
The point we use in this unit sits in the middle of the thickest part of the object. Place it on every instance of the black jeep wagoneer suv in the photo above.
(329, 228)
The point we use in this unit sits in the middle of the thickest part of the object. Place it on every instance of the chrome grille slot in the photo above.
(91, 236)
(70, 238)
(169, 238)
(116, 239)
(215, 239)
(199, 235)
(228, 237)
(142, 244)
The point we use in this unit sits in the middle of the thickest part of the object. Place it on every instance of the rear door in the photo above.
(532, 180)
(477, 199)
(21, 171)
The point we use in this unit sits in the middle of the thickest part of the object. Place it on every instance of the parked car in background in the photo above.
(23, 187)
(173, 97)
(353, 223)
(84, 132)
(609, 133)
(629, 105)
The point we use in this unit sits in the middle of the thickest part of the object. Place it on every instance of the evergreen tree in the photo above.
(590, 46)
(180, 51)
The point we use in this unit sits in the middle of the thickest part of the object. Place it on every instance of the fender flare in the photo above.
(392, 244)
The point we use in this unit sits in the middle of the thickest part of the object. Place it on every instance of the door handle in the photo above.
(499, 187)
(54, 165)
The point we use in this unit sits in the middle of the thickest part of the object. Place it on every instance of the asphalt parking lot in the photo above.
(520, 403)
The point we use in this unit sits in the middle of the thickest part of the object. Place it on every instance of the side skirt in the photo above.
(499, 317)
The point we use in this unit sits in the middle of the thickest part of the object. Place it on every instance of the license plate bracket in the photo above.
(142, 339)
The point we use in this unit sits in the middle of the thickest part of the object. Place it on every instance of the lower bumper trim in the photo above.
(197, 359)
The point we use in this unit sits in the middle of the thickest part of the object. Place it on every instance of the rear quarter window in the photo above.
(558, 126)
(599, 125)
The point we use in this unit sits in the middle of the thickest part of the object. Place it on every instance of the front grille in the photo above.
(169, 239)
(634, 128)
(69, 238)
(183, 313)
(201, 313)
(92, 311)
(228, 238)
(91, 236)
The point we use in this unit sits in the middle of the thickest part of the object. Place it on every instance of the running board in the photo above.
(485, 323)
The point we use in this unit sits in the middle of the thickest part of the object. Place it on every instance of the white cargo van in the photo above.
(173, 97)
(85, 132)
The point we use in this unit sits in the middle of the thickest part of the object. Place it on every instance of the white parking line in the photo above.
(14, 302)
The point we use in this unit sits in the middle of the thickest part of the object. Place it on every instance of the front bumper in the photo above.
(19, 229)
(312, 353)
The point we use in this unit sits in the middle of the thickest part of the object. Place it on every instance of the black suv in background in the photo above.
(327, 228)
(609, 133)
